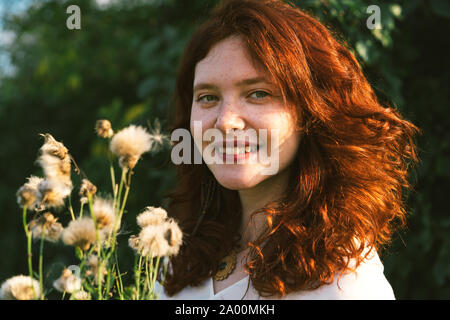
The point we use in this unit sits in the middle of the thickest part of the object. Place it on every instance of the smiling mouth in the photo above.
(232, 155)
(231, 151)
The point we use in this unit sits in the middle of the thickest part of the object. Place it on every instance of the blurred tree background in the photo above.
(121, 66)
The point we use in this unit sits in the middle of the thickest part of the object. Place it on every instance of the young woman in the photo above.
(312, 228)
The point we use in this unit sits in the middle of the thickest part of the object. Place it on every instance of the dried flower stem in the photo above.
(99, 277)
(81, 210)
(155, 274)
(113, 176)
(108, 280)
(119, 277)
(151, 273)
(112, 237)
(122, 179)
(122, 207)
(83, 264)
(125, 197)
(84, 260)
(117, 204)
(29, 238)
(148, 277)
(119, 286)
(99, 246)
(41, 250)
(70, 208)
(138, 277)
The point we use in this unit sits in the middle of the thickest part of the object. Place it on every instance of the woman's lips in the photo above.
(237, 153)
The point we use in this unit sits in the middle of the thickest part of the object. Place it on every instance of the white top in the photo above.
(366, 283)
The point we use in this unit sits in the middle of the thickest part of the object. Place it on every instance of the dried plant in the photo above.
(94, 231)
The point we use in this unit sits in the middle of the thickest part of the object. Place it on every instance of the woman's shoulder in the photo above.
(367, 282)
(201, 292)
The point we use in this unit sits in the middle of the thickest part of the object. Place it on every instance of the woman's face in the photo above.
(231, 93)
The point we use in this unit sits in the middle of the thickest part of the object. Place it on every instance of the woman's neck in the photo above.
(256, 198)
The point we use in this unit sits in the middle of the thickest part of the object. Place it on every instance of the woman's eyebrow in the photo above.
(240, 83)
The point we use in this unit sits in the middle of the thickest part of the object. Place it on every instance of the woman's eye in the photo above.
(259, 94)
(207, 96)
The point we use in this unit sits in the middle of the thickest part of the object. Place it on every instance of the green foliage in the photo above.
(122, 64)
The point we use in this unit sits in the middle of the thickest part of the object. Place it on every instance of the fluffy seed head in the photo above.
(173, 236)
(46, 226)
(28, 193)
(104, 129)
(133, 242)
(68, 282)
(53, 148)
(80, 233)
(55, 168)
(80, 295)
(151, 216)
(159, 236)
(56, 163)
(152, 242)
(51, 193)
(87, 189)
(129, 144)
(104, 213)
(20, 288)
(159, 139)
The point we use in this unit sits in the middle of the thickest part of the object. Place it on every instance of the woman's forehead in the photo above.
(229, 57)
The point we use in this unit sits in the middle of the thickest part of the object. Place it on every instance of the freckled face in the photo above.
(224, 100)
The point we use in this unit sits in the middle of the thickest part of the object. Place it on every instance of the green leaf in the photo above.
(79, 253)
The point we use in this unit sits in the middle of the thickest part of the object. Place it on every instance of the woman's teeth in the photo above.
(237, 150)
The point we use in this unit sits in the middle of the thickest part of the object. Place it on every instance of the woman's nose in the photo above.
(229, 118)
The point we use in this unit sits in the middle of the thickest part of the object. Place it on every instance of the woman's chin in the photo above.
(237, 178)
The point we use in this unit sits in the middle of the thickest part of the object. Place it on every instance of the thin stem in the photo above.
(108, 281)
(81, 210)
(119, 215)
(119, 277)
(85, 256)
(113, 175)
(111, 167)
(117, 284)
(138, 277)
(122, 179)
(155, 274)
(99, 255)
(41, 260)
(127, 190)
(113, 182)
(29, 235)
(99, 277)
(70, 208)
(148, 275)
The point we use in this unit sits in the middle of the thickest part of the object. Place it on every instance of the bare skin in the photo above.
(225, 99)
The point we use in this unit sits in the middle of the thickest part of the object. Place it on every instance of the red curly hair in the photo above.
(350, 174)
